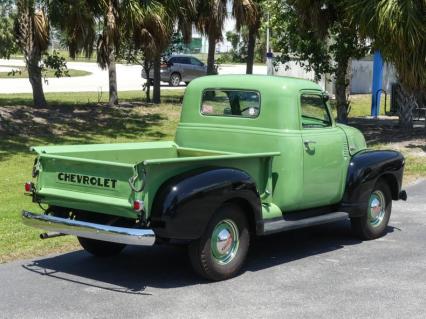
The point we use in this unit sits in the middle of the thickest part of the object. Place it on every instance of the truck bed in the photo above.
(96, 177)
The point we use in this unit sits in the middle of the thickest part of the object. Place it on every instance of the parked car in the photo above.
(179, 68)
(253, 155)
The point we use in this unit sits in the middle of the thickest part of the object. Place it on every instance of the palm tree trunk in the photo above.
(406, 104)
(112, 75)
(34, 75)
(147, 70)
(157, 64)
(250, 50)
(210, 55)
(340, 88)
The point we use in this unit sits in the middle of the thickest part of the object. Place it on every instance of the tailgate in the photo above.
(85, 184)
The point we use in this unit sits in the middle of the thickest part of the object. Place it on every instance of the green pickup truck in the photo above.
(252, 156)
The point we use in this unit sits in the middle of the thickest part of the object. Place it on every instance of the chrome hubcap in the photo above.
(175, 80)
(225, 241)
(376, 208)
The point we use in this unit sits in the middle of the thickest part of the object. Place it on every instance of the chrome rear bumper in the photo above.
(122, 235)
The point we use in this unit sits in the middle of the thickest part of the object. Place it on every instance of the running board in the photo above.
(275, 226)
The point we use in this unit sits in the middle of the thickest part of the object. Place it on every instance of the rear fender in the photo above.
(365, 169)
(184, 204)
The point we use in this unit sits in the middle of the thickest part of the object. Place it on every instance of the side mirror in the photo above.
(169, 64)
(325, 96)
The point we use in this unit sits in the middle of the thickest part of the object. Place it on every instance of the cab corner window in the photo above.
(314, 111)
(238, 103)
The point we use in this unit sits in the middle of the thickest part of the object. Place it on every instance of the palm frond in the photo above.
(41, 30)
(211, 17)
(398, 29)
(246, 13)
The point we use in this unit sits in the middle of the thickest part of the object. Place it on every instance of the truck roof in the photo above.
(257, 82)
(279, 100)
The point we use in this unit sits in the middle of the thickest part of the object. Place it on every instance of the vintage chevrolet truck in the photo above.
(252, 156)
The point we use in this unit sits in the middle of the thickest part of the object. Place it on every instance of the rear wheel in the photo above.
(174, 79)
(374, 222)
(100, 248)
(221, 251)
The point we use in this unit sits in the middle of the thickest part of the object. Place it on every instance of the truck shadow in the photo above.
(138, 268)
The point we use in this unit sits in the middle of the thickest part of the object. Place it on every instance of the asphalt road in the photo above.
(322, 272)
(128, 78)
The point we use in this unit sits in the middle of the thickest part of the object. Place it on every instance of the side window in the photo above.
(185, 60)
(230, 103)
(314, 111)
(172, 60)
(196, 62)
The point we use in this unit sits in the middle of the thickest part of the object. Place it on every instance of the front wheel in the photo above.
(100, 248)
(374, 222)
(221, 251)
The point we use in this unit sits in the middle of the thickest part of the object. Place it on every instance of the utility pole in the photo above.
(269, 55)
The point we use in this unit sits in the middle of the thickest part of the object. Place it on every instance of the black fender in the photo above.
(365, 169)
(184, 204)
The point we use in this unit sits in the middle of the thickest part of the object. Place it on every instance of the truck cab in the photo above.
(253, 155)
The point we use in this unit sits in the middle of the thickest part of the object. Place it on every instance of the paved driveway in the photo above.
(322, 272)
(128, 78)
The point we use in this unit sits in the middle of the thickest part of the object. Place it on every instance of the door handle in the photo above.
(309, 144)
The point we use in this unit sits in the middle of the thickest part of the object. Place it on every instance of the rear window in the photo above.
(219, 102)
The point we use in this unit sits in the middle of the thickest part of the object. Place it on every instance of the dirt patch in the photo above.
(384, 133)
(385, 130)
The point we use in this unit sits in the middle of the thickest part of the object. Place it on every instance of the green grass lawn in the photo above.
(360, 105)
(78, 118)
(23, 73)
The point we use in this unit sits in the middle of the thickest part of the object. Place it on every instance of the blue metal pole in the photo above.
(377, 84)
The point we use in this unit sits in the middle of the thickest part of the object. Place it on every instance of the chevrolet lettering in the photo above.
(87, 180)
(252, 156)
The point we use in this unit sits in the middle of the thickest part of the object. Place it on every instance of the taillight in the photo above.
(28, 187)
(138, 205)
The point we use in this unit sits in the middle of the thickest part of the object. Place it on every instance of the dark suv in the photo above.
(179, 68)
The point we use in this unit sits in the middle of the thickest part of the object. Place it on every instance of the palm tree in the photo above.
(398, 30)
(32, 34)
(248, 13)
(147, 25)
(210, 19)
(153, 27)
(108, 45)
(77, 19)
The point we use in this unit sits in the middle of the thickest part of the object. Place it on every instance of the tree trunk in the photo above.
(406, 104)
(340, 88)
(147, 70)
(250, 50)
(34, 75)
(112, 74)
(210, 55)
(157, 64)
